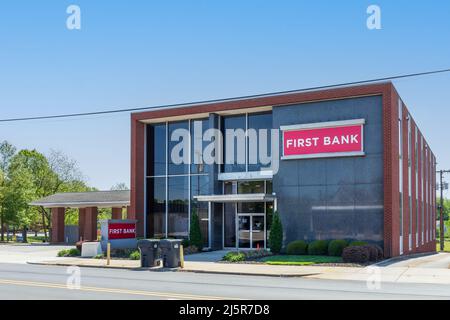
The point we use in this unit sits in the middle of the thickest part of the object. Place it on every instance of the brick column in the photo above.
(58, 225)
(117, 213)
(90, 225)
(137, 195)
(81, 223)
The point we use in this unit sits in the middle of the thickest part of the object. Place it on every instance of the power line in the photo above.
(83, 114)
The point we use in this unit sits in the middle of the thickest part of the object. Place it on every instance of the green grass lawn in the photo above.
(300, 260)
(446, 246)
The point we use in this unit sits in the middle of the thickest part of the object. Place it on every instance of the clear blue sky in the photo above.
(144, 53)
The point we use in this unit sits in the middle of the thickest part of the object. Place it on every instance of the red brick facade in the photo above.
(391, 158)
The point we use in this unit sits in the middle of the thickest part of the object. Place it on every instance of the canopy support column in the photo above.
(58, 224)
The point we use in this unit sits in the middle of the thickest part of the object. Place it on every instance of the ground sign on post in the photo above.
(121, 234)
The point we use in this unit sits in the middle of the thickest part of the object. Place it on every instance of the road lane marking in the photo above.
(167, 295)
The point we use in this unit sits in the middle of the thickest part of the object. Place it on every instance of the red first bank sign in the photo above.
(121, 231)
(326, 139)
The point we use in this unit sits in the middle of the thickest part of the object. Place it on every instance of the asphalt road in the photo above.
(22, 281)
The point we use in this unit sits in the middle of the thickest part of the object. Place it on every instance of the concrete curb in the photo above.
(62, 264)
(252, 274)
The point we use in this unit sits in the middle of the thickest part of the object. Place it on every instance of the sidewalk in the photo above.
(373, 273)
(192, 266)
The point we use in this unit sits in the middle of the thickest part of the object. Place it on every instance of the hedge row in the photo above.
(351, 251)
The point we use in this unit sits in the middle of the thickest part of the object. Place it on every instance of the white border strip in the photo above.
(325, 155)
(320, 125)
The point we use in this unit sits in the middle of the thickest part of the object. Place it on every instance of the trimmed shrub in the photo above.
(380, 252)
(69, 253)
(189, 250)
(318, 248)
(298, 247)
(185, 243)
(234, 257)
(276, 234)
(356, 254)
(335, 247)
(195, 233)
(122, 253)
(358, 243)
(135, 255)
(256, 254)
(373, 252)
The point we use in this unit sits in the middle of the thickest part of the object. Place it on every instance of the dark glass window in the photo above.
(229, 187)
(251, 207)
(178, 214)
(177, 168)
(156, 150)
(156, 207)
(269, 215)
(200, 186)
(229, 225)
(197, 164)
(233, 122)
(257, 122)
(269, 187)
(251, 187)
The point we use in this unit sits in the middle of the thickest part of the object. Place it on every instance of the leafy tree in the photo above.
(446, 208)
(195, 234)
(51, 174)
(276, 234)
(43, 177)
(67, 178)
(19, 192)
(7, 151)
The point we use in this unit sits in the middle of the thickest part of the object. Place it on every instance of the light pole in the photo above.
(441, 208)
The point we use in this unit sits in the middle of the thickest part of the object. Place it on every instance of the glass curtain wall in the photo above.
(248, 159)
(171, 186)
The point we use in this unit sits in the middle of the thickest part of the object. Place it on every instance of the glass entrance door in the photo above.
(251, 231)
(244, 231)
(258, 232)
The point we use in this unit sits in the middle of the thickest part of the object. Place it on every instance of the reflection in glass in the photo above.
(200, 186)
(229, 225)
(246, 187)
(269, 187)
(182, 168)
(197, 165)
(233, 122)
(257, 122)
(156, 207)
(251, 207)
(156, 150)
(244, 231)
(178, 214)
(258, 232)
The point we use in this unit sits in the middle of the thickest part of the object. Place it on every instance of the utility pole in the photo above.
(441, 208)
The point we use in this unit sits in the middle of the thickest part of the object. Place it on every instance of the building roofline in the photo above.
(269, 99)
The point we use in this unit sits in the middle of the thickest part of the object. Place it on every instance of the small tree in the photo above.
(276, 234)
(195, 234)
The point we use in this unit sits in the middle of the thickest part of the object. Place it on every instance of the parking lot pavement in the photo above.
(23, 253)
